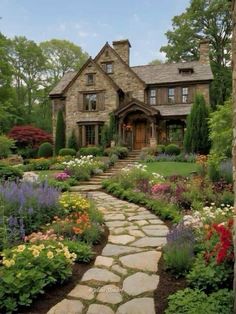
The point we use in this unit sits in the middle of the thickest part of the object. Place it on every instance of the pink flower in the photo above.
(161, 188)
(62, 176)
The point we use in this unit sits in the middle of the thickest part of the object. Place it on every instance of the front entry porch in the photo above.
(137, 125)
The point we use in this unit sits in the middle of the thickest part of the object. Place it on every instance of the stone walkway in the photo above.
(123, 278)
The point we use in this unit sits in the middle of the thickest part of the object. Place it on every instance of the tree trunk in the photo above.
(234, 131)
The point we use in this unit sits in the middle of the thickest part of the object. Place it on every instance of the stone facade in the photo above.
(149, 102)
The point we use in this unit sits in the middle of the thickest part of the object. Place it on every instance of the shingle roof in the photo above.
(174, 110)
(63, 83)
(169, 72)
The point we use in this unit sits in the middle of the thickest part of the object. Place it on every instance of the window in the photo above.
(108, 67)
(153, 96)
(175, 133)
(185, 95)
(90, 79)
(90, 102)
(90, 134)
(171, 95)
(186, 71)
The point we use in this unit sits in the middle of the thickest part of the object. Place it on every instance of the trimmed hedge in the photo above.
(94, 151)
(172, 149)
(120, 151)
(67, 152)
(45, 150)
(162, 209)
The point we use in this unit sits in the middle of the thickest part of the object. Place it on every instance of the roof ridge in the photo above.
(166, 63)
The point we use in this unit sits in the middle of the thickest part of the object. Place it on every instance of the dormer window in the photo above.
(108, 67)
(90, 78)
(153, 96)
(186, 71)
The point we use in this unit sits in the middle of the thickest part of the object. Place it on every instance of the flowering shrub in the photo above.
(27, 269)
(24, 207)
(73, 203)
(62, 176)
(39, 164)
(40, 236)
(82, 168)
(161, 188)
(222, 250)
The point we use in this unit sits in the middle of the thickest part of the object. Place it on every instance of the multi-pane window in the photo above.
(171, 95)
(175, 133)
(185, 95)
(90, 79)
(153, 96)
(90, 134)
(90, 102)
(108, 67)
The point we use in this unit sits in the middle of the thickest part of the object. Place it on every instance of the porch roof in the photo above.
(135, 105)
(174, 110)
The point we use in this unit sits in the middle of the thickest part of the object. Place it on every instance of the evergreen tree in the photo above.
(72, 142)
(60, 132)
(196, 138)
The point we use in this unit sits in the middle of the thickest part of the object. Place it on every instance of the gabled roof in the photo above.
(130, 69)
(169, 72)
(135, 105)
(68, 79)
(63, 83)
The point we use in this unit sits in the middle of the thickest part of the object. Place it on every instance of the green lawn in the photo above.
(49, 173)
(168, 168)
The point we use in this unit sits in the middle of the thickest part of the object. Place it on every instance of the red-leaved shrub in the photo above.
(29, 136)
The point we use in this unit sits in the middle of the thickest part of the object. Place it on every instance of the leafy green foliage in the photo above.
(45, 150)
(60, 140)
(209, 276)
(67, 152)
(196, 137)
(121, 151)
(82, 250)
(72, 142)
(172, 149)
(6, 144)
(10, 173)
(221, 130)
(28, 270)
(93, 151)
(191, 301)
(204, 19)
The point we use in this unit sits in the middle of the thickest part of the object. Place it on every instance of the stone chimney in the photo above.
(204, 51)
(122, 48)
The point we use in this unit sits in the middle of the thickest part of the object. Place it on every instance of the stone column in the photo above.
(153, 139)
(83, 136)
(96, 135)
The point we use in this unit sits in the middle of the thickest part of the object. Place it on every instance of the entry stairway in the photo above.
(96, 180)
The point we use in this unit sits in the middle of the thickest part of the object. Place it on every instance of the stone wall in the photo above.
(204, 51)
(74, 111)
(122, 47)
(204, 89)
(123, 77)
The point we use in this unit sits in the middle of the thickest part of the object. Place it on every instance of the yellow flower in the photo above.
(35, 253)
(50, 255)
(20, 248)
(18, 275)
(8, 262)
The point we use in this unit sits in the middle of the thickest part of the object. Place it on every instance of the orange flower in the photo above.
(77, 230)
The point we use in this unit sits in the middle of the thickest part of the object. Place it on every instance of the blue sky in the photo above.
(90, 23)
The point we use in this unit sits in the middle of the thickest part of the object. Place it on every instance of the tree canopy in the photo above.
(204, 19)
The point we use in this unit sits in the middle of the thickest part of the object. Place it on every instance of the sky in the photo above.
(91, 23)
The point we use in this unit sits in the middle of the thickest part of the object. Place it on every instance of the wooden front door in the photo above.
(141, 137)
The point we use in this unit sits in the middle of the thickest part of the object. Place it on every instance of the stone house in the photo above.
(150, 102)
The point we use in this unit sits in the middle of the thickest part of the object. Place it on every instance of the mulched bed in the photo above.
(168, 285)
(55, 294)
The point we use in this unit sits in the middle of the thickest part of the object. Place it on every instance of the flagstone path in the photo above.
(123, 278)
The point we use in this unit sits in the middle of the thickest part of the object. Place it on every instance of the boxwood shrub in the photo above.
(94, 151)
(67, 152)
(172, 149)
(45, 150)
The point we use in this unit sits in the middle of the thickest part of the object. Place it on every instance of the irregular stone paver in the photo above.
(139, 283)
(67, 306)
(119, 269)
(123, 276)
(137, 306)
(82, 292)
(121, 239)
(150, 241)
(115, 250)
(146, 261)
(103, 261)
(99, 274)
(109, 294)
(99, 309)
